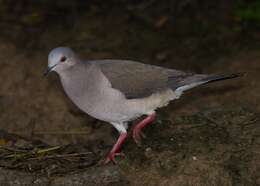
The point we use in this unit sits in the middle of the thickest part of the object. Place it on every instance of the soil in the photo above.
(211, 136)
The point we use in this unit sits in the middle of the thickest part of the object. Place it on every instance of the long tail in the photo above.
(196, 80)
(213, 78)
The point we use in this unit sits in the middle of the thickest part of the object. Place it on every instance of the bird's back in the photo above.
(137, 80)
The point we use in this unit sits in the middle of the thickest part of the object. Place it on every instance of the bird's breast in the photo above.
(97, 98)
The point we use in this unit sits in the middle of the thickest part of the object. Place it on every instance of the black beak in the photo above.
(46, 72)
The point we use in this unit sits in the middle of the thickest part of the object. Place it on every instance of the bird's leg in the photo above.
(111, 155)
(138, 127)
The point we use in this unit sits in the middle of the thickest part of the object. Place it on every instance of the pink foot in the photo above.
(138, 127)
(111, 155)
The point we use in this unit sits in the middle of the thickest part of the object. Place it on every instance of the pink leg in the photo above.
(113, 152)
(138, 127)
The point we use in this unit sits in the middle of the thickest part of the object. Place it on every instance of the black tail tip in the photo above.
(224, 77)
(239, 74)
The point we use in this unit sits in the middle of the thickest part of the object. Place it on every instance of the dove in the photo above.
(120, 91)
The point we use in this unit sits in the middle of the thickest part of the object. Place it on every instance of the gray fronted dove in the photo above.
(119, 91)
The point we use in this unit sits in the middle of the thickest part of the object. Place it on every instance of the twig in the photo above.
(12, 149)
(76, 132)
(61, 156)
(33, 152)
(40, 151)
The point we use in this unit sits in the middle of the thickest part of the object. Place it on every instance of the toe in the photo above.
(109, 158)
(137, 137)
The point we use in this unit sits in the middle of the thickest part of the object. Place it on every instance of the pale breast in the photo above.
(91, 91)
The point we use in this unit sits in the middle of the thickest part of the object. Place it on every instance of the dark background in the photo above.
(209, 137)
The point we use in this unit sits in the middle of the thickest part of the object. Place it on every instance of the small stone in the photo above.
(148, 152)
(194, 158)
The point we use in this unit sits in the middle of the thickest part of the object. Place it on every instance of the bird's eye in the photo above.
(63, 58)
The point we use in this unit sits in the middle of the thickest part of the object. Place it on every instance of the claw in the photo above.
(111, 155)
(137, 136)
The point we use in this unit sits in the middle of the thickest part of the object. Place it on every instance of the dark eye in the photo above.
(63, 58)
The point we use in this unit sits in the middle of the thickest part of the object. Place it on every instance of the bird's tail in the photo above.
(213, 78)
(198, 79)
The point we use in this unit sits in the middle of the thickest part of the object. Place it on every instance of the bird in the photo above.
(120, 91)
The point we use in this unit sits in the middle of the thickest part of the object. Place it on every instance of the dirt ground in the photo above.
(211, 136)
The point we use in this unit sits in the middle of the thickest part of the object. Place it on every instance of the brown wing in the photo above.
(137, 80)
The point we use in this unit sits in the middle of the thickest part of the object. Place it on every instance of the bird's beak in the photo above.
(48, 69)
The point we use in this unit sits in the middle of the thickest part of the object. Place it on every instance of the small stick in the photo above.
(61, 156)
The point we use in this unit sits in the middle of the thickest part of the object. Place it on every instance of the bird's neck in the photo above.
(73, 81)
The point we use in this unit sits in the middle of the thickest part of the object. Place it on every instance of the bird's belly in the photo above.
(108, 113)
(149, 104)
(109, 110)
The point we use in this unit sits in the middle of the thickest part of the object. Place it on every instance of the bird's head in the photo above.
(60, 59)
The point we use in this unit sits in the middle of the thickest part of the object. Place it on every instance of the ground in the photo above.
(211, 136)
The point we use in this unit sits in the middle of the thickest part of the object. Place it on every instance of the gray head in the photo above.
(61, 59)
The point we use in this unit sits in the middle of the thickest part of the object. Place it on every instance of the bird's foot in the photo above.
(114, 152)
(137, 136)
(137, 133)
(111, 157)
